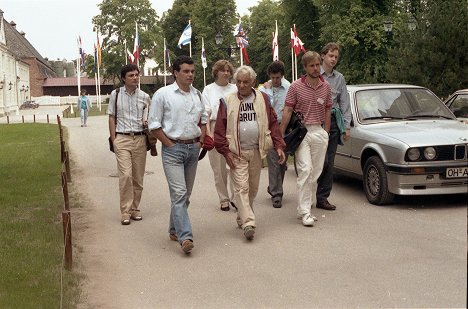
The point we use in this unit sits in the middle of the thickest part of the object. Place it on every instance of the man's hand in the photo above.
(267, 85)
(346, 135)
(281, 155)
(231, 160)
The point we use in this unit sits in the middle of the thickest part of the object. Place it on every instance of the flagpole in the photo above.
(204, 73)
(292, 65)
(165, 71)
(125, 52)
(98, 71)
(242, 56)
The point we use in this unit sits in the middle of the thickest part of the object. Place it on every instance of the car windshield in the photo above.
(396, 104)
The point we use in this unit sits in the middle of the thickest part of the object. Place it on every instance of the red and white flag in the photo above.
(136, 45)
(297, 44)
(274, 44)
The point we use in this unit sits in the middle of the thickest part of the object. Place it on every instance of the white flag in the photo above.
(186, 36)
(203, 55)
(274, 45)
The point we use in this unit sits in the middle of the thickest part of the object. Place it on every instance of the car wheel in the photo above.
(375, 182)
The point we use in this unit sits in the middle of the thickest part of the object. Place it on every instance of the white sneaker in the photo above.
(307, 220)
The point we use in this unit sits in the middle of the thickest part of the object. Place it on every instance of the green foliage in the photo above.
(117, 25)
(434, 54)
(262, 25)
(208, 17)
(31, 229)
(357, 27)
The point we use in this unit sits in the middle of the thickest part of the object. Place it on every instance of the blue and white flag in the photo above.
(186, 36)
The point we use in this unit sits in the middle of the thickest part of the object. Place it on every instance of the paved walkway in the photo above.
(357, 256)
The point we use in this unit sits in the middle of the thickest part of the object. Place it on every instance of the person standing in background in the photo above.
(222, 72)
(84, 105)
(276, 89)
(340, 121)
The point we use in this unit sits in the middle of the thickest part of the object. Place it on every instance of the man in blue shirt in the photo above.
(178, 118)
(276, 89)
(341, 112)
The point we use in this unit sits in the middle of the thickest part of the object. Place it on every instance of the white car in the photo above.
(404, 141)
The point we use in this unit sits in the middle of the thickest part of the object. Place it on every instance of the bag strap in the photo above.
(115, 104)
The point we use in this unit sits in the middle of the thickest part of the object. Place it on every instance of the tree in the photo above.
(262, 24)
(434, 54)
(307, 25)
(356, 25)
(208, 17)
(116, 23)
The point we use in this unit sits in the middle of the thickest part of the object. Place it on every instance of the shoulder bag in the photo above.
(295, 133)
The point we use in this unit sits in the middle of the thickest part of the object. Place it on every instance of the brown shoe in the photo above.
(249, 232)
(125, 221)
(187, 246)
(326, 205)
(136, 216)
(173, 237)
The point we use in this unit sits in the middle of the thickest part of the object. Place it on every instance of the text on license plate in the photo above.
(456, 172)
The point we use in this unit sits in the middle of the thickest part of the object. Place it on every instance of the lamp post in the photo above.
(219, 40)
(411, 23)
(388, 26)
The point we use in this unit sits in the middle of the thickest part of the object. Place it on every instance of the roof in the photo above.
(379, 86)
(73, 81)
(19, 46)
(85, 81)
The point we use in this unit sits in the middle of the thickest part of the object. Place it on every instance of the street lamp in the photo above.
(219, 40)
(411, 23)
(388, 26)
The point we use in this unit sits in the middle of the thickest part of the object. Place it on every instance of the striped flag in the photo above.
(81, 51)
(242, 39)
(186, 36)
(98, 46)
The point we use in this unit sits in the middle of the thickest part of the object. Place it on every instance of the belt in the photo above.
(185, 141)
(131, 133)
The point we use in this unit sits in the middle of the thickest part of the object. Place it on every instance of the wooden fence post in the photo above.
(66, 199)
(67, 166)
(66, 220)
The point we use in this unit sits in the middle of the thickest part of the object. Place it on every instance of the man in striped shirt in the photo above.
(311, 96)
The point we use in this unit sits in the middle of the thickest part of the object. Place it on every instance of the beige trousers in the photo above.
(130, 152)
(309, 161)
(220, 174)
(245, 180)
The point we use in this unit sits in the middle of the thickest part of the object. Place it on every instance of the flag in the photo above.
(274, 44)
(130, 56)
(136, 45)
(244, 54)
(95, 59)
(98, 45)
(203, 56)
(242, 39)
(298, 45)
(166, 55)
(81, 51)
(186, 36)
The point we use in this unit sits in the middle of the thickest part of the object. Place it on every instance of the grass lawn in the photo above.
(31, 203)
(93, 112)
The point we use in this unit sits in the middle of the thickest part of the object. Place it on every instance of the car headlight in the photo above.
(430, 153)
(413, 154)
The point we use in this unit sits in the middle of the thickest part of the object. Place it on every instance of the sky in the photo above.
(52, 26)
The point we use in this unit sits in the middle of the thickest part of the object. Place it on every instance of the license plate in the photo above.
(456, 172)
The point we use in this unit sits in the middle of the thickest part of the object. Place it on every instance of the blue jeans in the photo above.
(180, 167)
(83, 116)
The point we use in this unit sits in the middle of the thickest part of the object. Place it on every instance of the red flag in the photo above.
(298, 45)
(244, 54)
